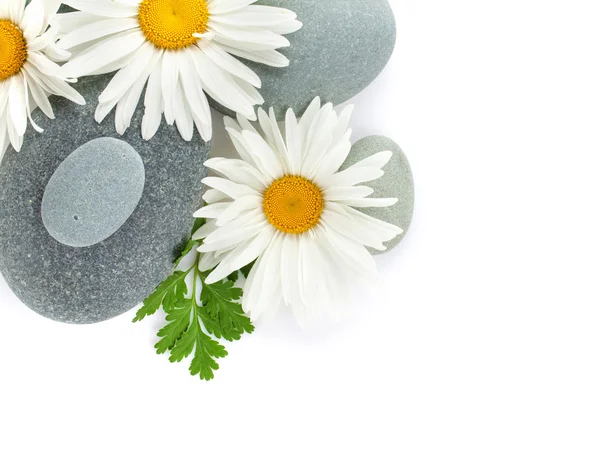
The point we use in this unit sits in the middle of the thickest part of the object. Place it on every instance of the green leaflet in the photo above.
(192, 319)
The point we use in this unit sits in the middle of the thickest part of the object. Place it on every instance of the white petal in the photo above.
(230, 188)
(15, 9)
(183, 115)
(255, 39)
(378, 160)
(194, 93)
(97, 30)
(293, 140)
(107, 8)
(33, 20)
(384, 230)
(271, 279)
(221, 85)
(354, 254)
(69, 22)
(240, 145)
(128, 104)
(256, 15)
(238, 171)
(104, 53)
(208, 261)
(153, 104)
(237, 207)
(352, 176)
(169, 79)
(224, 6)
(16, 104)
(347, 192)
(44, 65)
(212, 211)
(38, 95)
(332, 218)
(318, 140)
(334, 159)
(227, 62)
(126, 77)
(290, 270)
(54, 85)
(205, 230)
(264, 281)
(343, 121)
(268, 57)
(263, 155)
(212, 195)
(242, 256)
(222, 238)
(369, 202)
(16, 139)
(273, 137)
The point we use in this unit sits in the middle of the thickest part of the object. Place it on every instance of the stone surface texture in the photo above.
(342, 47)
(92, 284)
(93, 192)
(397, 182)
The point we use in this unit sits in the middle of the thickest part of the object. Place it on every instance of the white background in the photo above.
(479, 352)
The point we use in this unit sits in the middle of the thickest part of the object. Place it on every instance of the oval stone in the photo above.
(93, 192)
(95, 283)
(342, 47)
(397, 182)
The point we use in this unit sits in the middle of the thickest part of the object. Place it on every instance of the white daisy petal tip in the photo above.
(268, 208)
(199, 44)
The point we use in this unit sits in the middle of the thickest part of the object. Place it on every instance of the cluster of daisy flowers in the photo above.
(284, 205)
(180, 51)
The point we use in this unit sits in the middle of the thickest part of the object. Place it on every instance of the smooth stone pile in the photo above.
(342, 47)
(92, 284)
(93, 192)
(397, 182)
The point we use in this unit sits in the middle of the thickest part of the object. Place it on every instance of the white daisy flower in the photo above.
(28, 72)
(182, 49)
(286, 205)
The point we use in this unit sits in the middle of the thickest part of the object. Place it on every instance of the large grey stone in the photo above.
(397, 182)
(93, 192)
(92, 284)
(342, 47)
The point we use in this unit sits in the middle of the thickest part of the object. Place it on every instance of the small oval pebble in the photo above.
(93, 192)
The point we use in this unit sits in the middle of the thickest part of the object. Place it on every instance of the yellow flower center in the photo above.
(170, 24)
(13, 49)
(293, 204)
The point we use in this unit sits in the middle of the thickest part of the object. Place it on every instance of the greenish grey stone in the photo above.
(397, 182)
(93, 192)
(92, 284)
(342, 47)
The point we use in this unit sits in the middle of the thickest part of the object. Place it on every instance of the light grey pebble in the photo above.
(92, 284)
(397, 182)
(93, 192)
(342, 47)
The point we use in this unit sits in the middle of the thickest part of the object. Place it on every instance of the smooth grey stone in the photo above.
(342, 47)
(92, 284)
(93, 192)
(397, 182)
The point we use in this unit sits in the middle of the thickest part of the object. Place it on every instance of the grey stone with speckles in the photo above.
(397, 182)
(92, 284)
(342, 47)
